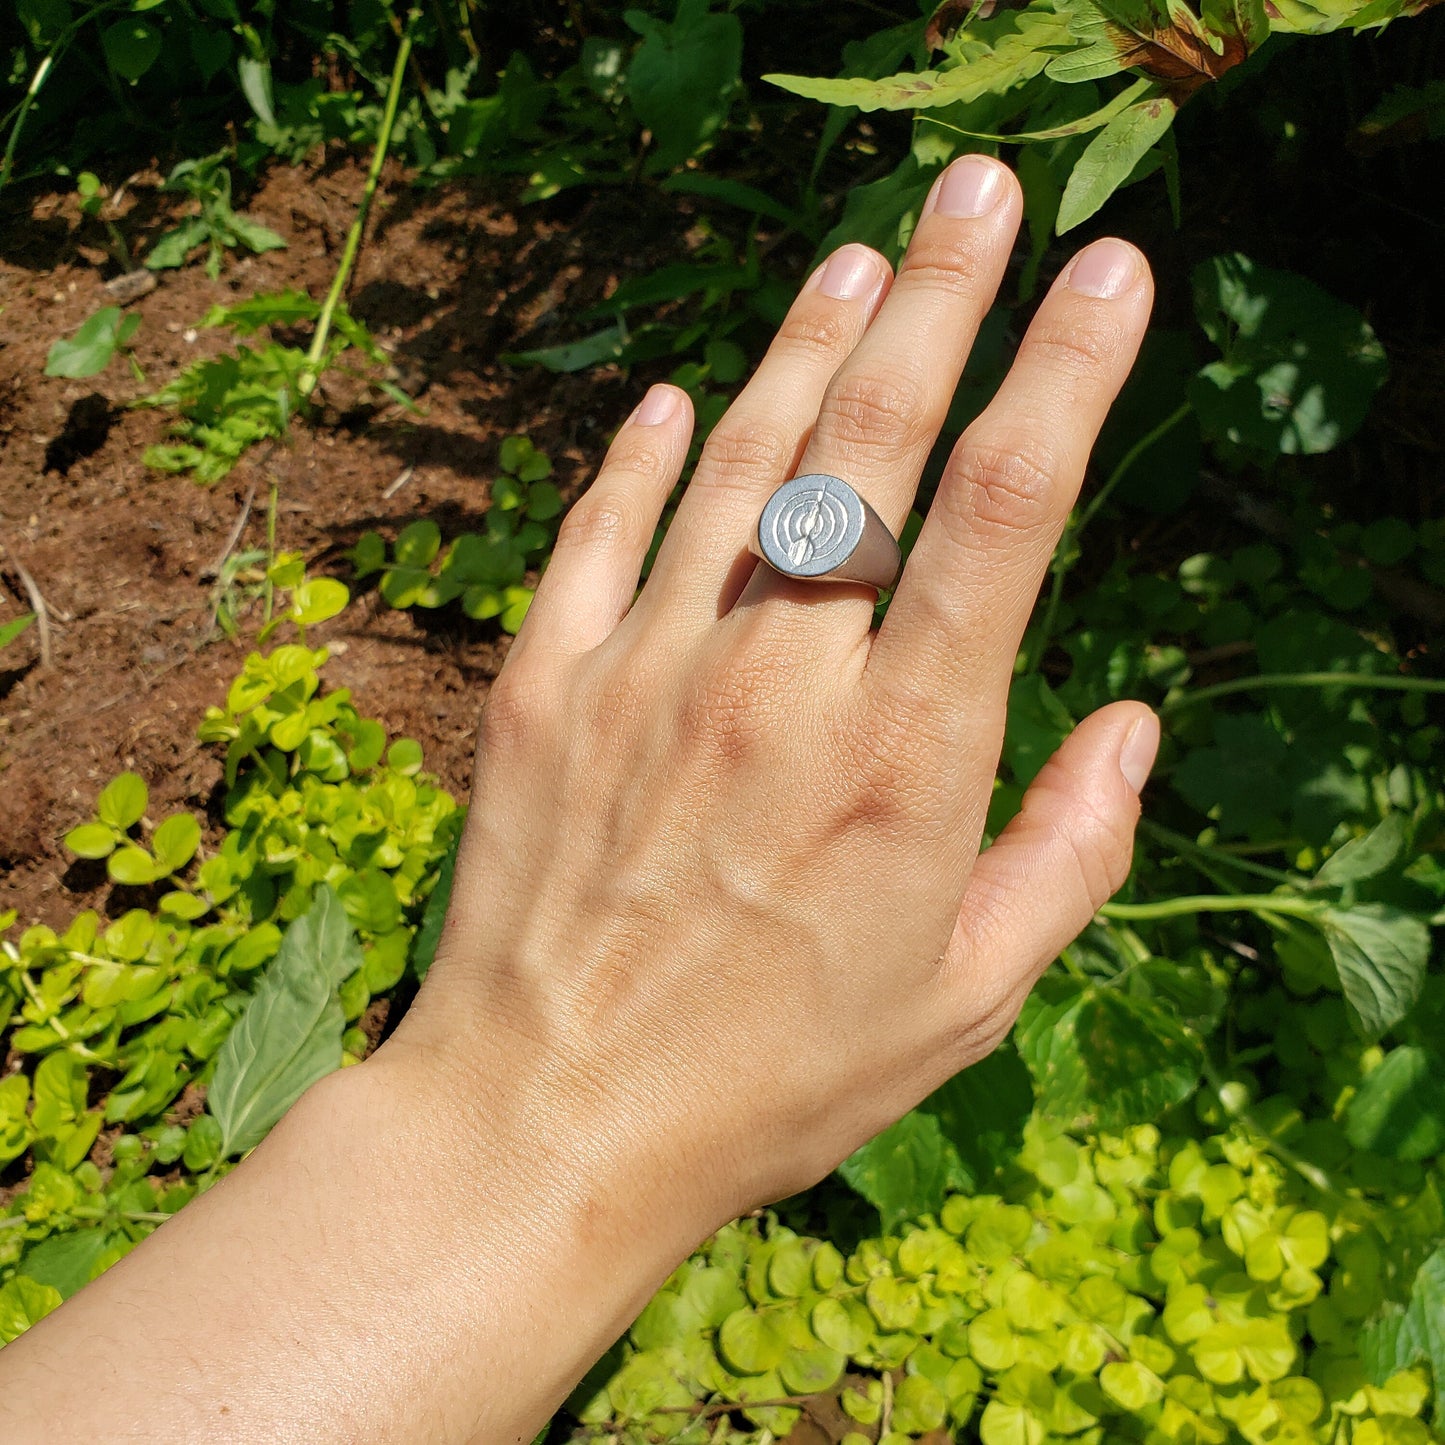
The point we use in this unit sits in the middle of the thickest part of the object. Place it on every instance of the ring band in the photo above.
(817, 528)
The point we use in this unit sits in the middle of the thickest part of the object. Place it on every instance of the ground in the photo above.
(124, 556)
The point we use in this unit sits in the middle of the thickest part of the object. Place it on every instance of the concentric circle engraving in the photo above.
(811, 525)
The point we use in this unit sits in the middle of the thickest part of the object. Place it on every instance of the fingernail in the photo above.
(851, 272)
(1105, 270)
(971, 186)
(659, 404)
(1136, 757)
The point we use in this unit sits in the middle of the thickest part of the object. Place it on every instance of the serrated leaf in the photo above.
(290, 1033)
(66, 1262)
(1380, 953)
(1399, 1340)
(172, 248)
(1110, 158)
(907, 1170)
(1104, 1059)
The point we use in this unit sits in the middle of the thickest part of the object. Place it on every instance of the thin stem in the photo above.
(42, 71)
(1078, 520)
(1302, 679)
(312, 369)
(1264, 903)
(1203, 851)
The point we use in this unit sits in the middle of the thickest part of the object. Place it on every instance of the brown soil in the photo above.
(122, 555)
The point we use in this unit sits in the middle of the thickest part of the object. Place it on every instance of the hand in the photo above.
(721, 893)
(720, 913)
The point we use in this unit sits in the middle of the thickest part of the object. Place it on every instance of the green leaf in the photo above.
(1365, 857)
(255, 78)
(91, 840)
(131, 46)
(751, 1343)
(172, 248)
(24, 1302)
(1037, 723)
(1110, 158)
(370, 899)
(9, 631)
(318, 600)
(1399, 1109)
(573, 355)
(253, 235)
(544, 501)
(369, 554)
(906, 1170)
(66, 1262)
(1398, 1341)
(90, 350)
(175, 842)
(290, 1033)
(983, 1111)
(683, 78)
(122, 802)
(1380, 953)
(418, 543)
(132, 865)
(429, 935)
(1104, 1059)
(1299, 368)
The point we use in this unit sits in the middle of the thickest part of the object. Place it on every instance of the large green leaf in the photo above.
(1299, 369)
(66, 1262)
(683, 78)
(1401, 1339)
(90, 350)
(983, 1111)
(23, 1302)
(1400, 1108)
(1110, 158)
(1380, 952)
(907, 1170)
(290, 1034)
(1104, 1059)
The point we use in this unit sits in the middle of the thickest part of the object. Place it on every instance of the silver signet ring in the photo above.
(817, 528)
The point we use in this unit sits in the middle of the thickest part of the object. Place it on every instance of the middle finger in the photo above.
(882, 411)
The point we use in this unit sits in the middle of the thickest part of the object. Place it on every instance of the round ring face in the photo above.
(811, 525)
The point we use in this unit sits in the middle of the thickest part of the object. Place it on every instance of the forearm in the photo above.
(378, 1269)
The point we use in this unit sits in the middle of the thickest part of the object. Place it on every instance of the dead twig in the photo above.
(398, 484)
(37, 604)
(214, 570)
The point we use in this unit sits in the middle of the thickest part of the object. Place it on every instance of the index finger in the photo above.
(960, 609)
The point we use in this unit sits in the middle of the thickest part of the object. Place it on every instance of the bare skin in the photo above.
(720, 915)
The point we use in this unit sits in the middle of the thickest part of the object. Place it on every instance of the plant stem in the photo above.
(42, 71)
(1078, 520)
(1303, 679)
(1212, 903)
(312, 369)
(1203, 851)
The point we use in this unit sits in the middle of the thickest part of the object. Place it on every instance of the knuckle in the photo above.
(1008, 486)
(742, 452)
(951, 265)
(865, 411)
(518, 703)
(1073, 350)
(817, 333)
(599, 521)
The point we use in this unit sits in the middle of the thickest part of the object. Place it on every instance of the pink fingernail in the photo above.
(657, 406)
(1105, 270)
(1141, 747)
(972, 186)
(851, 272)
